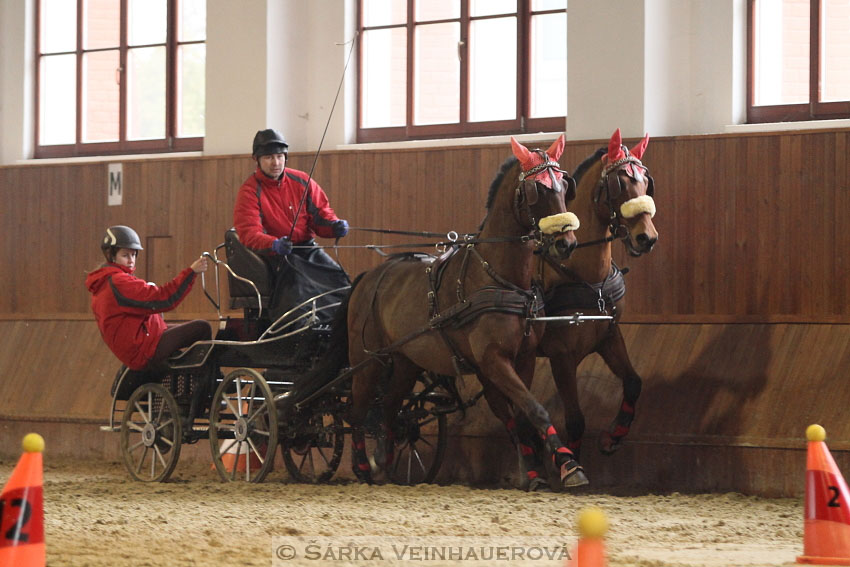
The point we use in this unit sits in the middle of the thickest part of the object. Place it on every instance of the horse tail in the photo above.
(335, 356)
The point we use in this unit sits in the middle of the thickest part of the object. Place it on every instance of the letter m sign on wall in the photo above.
(115, 190)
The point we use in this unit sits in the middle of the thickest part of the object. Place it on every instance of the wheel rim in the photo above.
(420, 434)
(420, 446)
(312, 448)
(243, 427)
(151, 434)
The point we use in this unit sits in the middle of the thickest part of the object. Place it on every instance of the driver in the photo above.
(268, 201)
(278, 213)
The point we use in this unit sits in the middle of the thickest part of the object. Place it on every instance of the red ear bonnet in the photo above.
(529, 159)
(638, 150)
(615, 150)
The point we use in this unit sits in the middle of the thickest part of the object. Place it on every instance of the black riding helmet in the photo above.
(269, 141)
(119, 236)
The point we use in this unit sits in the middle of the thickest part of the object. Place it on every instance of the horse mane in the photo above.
(497, 182)
(494, 187)
(588, 163)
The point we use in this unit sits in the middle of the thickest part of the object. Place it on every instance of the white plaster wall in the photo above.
(718, 63)
(605, 58)
(235, 75)
(16, 64)
(667, 73)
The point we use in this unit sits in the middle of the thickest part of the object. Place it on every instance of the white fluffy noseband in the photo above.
(562, 222)
(638, 205)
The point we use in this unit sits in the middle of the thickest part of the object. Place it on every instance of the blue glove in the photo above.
(340, 228)
(282, 246)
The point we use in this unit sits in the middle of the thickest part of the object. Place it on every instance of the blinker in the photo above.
(529, 188)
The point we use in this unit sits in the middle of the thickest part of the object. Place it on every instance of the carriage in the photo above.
(233, 389)
(393, 384)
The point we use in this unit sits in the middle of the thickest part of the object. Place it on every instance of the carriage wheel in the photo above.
(243, 427)
(151, 433)
(420, 432)
(421, 435)
(312, 446)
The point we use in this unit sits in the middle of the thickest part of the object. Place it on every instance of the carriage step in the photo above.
(114, 429)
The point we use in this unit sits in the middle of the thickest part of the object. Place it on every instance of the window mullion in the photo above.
(171, 74)
(814, 56)
(411, 33)
(523, 86)
(78, 134)
(463, 55)
(122, 87)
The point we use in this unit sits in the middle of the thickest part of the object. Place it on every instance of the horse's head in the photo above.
(624, 195)
(541, 194)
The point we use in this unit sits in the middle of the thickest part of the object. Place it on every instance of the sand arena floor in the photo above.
(95, 516)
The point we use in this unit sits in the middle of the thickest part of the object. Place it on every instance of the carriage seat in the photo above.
(249, 265)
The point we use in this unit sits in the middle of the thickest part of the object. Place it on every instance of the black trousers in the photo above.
(180, 336)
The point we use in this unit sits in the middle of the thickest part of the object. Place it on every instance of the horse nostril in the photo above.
(642, 238)
(563, 248)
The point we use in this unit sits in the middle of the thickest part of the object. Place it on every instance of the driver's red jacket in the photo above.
(127, 310)
(265, 209)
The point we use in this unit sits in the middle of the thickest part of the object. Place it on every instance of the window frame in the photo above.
(170, 143)
(463, 128)
(814, 109)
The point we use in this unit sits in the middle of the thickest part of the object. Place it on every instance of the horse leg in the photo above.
(402, 380)
(500, 372)
(522, 435)
(529, 442)
(613, 352)
(362, 391)
(564, 373)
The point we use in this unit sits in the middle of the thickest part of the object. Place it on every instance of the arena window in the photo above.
(797, 60)
(119, 76)
(449, 68)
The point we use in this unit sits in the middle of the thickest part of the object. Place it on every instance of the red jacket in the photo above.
(265, 209)
(127, 310)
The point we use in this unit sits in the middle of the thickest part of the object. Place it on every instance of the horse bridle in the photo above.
(609, 182)
(527, 194)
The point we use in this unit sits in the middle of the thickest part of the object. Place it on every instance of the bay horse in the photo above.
(466, 311)
(614, 200)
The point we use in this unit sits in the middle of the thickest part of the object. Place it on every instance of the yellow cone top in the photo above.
(815, 432)
(592, 523)
(33, 443)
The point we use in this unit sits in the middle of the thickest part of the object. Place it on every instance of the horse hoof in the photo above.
(537, 485)
(363, 476)
(608, 445)
(572, 475)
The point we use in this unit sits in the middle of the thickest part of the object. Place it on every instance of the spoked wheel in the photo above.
(151, 433)
(243, 427)
(312, 444)
(420, 433)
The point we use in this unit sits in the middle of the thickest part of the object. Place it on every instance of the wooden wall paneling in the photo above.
(839, 298)
(818, 199)
(785, 280)
(649, 276)
(160, 262)
(750, 226)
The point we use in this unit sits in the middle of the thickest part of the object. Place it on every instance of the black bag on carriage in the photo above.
(303, 275)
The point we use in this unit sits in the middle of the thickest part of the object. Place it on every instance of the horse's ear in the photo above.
(520, 151)
(556, 149)
(638, 150)
(615, 152)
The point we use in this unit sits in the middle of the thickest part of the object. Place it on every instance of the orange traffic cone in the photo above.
(22, 509)
(230, 459)
(590, 550)
(826, 537)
